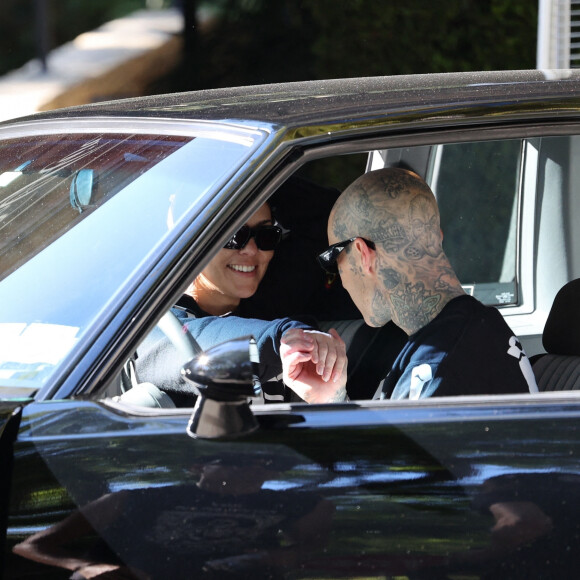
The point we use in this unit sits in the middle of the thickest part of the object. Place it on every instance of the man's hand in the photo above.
(314, 365)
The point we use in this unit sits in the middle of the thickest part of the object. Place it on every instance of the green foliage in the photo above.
(256, 42)
(377, 38)
(260, 41)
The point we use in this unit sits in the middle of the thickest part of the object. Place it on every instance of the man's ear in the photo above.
(368, 256)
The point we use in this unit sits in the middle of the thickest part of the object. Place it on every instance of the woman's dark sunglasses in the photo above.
(267, 237)
(328, 258)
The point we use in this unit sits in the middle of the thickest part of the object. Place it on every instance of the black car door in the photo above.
(362, 490)
(9, 420)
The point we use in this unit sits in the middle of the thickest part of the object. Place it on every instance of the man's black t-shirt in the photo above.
(468, 349)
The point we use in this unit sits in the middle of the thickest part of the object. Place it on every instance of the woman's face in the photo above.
(236, 274)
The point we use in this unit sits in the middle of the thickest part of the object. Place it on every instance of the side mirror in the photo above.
(224, 376)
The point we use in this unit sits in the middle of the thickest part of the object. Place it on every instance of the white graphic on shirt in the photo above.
(420, 375)
(516, 350)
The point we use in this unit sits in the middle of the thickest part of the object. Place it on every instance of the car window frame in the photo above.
(254, 136)
(529, 312)
(286, 156)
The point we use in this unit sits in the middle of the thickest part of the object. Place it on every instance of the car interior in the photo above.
(508, 208)
(503, 187)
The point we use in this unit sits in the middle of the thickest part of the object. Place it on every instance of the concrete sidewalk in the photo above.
(117, 60)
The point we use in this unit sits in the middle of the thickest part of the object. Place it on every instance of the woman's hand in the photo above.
(314, 365)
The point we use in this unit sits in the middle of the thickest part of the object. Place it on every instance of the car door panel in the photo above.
(9, 420)
(357, 491)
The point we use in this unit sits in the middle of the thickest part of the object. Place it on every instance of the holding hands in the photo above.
(314, 365)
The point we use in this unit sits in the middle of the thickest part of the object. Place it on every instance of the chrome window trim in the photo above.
(221, 130)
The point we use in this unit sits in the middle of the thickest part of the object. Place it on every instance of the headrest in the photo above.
(562, 330)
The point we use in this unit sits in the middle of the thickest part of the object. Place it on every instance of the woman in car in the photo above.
(208, 311)
(237, 270)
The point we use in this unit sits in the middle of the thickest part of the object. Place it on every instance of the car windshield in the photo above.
(78, 214)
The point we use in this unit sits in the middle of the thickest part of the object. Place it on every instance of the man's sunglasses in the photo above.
(267, 237)
(328, 258)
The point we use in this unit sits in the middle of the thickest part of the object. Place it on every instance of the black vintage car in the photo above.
(107, 213)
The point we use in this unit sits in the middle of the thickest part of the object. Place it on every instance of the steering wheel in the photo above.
(147, 394)
(179, 336)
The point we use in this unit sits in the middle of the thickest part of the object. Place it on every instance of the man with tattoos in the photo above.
(386, 243)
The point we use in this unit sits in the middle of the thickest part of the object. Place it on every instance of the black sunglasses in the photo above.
(327, 259)
(267, 237)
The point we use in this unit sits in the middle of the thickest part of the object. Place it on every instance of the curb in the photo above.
(119, 59)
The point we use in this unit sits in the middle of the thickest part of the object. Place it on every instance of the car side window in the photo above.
(477, 186)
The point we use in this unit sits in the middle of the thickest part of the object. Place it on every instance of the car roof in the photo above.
(324, 101)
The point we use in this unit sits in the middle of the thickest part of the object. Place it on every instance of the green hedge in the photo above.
(260, 41)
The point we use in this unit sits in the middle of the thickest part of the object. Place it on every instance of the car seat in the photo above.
(559, 368)
(294, 284)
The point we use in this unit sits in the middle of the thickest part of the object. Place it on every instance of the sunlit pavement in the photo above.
(116, 60)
